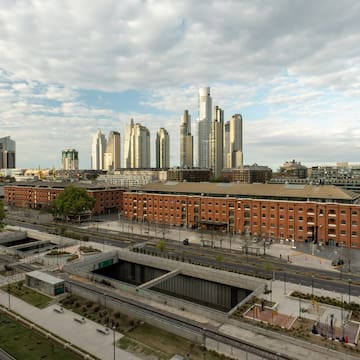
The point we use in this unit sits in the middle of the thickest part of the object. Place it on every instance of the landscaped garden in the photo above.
(24, 343)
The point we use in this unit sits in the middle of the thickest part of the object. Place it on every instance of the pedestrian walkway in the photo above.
(84, 335)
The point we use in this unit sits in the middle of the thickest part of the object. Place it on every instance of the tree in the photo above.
(72, 202)
(2, 215)
(161, 245)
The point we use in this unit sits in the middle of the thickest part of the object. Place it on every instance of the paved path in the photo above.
(84, 336)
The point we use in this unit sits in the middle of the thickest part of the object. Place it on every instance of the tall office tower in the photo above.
(204, 125)
(127, 144)
(227, 157)
(162, 149)
(186, 141)
(70, 159)
(140, 147)
(98, 150)
(112, 152)
(216, 142)
(7, 153)
(236, 141)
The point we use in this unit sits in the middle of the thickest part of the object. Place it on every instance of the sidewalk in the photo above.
(85, 336)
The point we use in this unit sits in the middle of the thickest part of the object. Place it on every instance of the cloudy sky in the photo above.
(291, 68)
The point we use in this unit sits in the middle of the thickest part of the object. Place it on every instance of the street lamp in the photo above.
(284, 283)
(114, 328)
(312, 286)
(349, 289)
(9, 293)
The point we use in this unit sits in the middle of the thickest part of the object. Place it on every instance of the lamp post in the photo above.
(312, 286)
(114, 328)
(284, 283)
(349, 290)
(9, 294)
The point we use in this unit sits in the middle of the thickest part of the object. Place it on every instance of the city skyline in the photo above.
(291, 69)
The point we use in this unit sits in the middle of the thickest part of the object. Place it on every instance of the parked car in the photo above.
(337, 262)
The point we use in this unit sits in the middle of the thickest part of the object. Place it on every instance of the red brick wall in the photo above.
(339, 223)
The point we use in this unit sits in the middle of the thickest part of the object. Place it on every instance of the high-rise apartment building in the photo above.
(236, 141)
(162, 149)
(70, 159)
(136, 146)
(186, 141)
(7, 153)
(227, 157)
(141, 147)
(204, 125)
(112, 152)
(127, 144)
(98, 150)
(216, 142)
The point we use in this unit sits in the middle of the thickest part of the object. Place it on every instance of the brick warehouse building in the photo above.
(40, 195)
(324, 213)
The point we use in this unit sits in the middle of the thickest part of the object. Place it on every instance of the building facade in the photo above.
(162, 149)
(40, 195)
(323, 214)
(186, 141)
(7, 153)
(191, 175)
(248, 174)
(70, 159)
(97, 151)
(216, 142)
(204, 126)
(112, 154)
(136, 146)
(236, 141)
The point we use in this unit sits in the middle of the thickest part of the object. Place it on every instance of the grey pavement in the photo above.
(300, 254)
(85, 336)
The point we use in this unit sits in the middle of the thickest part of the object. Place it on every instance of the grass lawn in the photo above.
(30, 296)
(148, 339)
(24, 343)
(140, 338)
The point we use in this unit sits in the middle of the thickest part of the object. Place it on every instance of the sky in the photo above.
(291, 68)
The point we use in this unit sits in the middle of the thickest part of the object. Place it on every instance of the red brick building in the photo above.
(41, 194)
(325, 213)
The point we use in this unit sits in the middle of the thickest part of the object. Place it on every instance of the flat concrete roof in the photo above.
(49, 279)
(270, 191)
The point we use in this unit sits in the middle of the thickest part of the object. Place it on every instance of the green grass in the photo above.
(30, 296)
(140, 338)
(23, 343)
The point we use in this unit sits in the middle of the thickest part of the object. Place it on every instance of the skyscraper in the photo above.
(186, 141)
(162, 149)
(216, 142)
(7, 153)
(70, 159)
(227, 157)
(136, 146)
(140, 146)
(204, 125)
(112, 152)
(127, 144)
(236, 141)
(97, 151)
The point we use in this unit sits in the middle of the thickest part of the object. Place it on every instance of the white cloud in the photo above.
(291, 68)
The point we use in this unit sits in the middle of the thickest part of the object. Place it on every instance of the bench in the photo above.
(80, 320)
(59, 310)
(104, 331)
